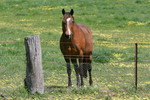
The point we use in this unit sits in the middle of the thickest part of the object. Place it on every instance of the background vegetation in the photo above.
(116, 26)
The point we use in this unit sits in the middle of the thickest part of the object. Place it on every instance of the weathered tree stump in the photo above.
(34, 73)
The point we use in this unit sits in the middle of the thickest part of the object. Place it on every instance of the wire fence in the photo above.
(121, 48)
(113, 65)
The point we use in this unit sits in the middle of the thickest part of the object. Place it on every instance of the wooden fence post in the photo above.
(34, 73)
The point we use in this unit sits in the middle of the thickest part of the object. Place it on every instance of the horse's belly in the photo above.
(69, 50)
(74, 51)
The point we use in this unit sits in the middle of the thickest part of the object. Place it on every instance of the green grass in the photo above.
(111, 21)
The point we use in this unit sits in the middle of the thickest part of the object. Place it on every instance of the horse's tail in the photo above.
(84, 68)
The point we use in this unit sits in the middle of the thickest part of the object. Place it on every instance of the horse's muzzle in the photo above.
(68, 36)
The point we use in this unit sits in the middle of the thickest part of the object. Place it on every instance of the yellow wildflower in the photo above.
(148, 82)
(140, 23)
(131, 22)
(18, 39)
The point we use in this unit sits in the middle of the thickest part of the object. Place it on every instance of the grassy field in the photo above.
(116, 25)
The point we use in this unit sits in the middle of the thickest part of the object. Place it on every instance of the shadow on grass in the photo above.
(55, 87)
(55, 90)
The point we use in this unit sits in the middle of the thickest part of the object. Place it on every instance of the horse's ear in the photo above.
(71, 12)
(63, 11)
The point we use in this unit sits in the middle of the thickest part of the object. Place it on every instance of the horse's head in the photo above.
(67, 22)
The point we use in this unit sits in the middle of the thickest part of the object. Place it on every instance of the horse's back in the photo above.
(85, 29)
(88, 38)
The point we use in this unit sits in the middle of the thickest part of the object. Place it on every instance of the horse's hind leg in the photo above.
(90, 69)
(90, 75)
(69, 72)
(74, 61)
(85, 67)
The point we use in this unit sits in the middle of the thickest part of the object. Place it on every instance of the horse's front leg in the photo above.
(81, 67)
(74, 61)
(68, 72)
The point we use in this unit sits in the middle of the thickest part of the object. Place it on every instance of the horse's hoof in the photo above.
(78, 84)
(82, 84)
(69, 86)
(91, 85)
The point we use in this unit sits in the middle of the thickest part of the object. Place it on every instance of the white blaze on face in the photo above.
(68, 20)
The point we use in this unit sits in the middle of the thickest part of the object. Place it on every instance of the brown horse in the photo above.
(76, 43)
